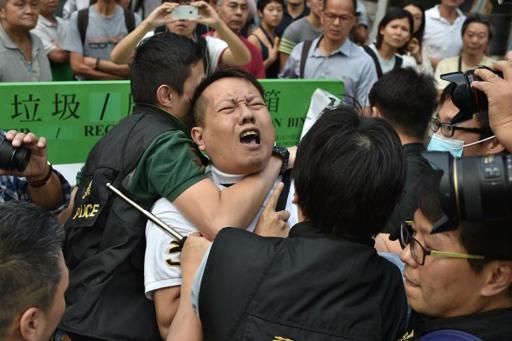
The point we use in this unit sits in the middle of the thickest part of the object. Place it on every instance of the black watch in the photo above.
(284, 155)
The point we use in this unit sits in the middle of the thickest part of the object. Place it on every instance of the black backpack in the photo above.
(83, 20)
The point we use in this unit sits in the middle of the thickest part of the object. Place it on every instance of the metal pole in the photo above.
(176, 235)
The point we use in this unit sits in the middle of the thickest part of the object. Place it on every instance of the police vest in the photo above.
(105, 243)
(309, 286)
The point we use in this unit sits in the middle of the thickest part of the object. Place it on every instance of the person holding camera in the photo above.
(26, 174)
(499, 96)
(458, 266)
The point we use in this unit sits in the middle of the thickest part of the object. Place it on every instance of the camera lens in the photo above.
(13, 158)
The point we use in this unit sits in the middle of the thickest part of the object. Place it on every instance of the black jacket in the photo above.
(310, 286)
(105, 244)
(494, 325)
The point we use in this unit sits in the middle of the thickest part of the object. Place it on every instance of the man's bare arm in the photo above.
(166, 304)
(210, 209)
(81, 66)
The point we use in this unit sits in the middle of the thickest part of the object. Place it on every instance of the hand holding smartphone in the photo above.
(185, 12)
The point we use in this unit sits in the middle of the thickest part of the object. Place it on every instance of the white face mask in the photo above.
(455, 147)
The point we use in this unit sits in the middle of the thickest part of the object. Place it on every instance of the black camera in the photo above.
(469, 100)
(476, 188)
(13, 158)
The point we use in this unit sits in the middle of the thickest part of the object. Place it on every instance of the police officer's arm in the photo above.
(236, 53)
(499, 95)
(210, 209)
(48, 193)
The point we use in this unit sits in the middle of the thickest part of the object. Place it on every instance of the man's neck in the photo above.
(19, 37)
(386, 52)
(295, 11)
(449, 13)
(314, 20)
(327, 46)
(471, 60)
(106, 8)
(407, 139)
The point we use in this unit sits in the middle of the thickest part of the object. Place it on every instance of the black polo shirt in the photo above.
(417, 166)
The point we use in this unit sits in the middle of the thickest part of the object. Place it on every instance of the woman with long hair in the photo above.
(414, 47)
(265, 37)
(395, 30)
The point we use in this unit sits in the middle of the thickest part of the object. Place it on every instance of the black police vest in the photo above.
(104, 248)
(310, 286)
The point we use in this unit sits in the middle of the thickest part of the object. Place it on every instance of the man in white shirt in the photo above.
(234, 126)
(443, 25)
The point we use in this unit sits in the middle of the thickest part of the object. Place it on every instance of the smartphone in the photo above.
(185, 12)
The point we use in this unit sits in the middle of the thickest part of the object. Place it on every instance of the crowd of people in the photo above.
(347, 236)
(269, 39)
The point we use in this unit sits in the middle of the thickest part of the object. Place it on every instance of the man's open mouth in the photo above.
(249, 137)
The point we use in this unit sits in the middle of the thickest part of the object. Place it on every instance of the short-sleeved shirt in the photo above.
(388, 65)
(51, 34)
(349, 63)
(158, 273)
(102, 35)
(255, 66)
(442, 37)
(215, 46)
(15, 68)
(452, 65)
(169, 166)
(287, 20)
(298, 31)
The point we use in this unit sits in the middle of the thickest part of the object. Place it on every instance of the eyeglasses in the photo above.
(448, 129)
(419, 252)
(344, 18)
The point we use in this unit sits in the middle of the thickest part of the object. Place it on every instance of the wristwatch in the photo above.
(43, 181)
(282, 153)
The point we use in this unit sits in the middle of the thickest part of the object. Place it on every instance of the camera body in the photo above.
(476, 188)
(13, 158)
(468, 99)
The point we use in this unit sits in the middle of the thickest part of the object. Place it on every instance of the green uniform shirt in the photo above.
(169, 166)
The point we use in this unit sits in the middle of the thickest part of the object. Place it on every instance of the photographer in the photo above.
(499, 95)
(38, 182)
(458, 281)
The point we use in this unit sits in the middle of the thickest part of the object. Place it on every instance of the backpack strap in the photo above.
(82, 22)
(372, 54)
(129, 19)
(398, 62)
(304, 56)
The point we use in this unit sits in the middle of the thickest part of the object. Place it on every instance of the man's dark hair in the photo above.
(394, 13)
(262, 3)
(354, 7)
(165, 58)
(483, 117)
(406, 99)
(490, 239)
(30, 271)
(349, 173)
(199, 102)
(477, 18)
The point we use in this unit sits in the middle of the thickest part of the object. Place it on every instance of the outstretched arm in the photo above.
(124, 50)
(237, 53)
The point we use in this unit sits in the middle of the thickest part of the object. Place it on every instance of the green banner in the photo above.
(74, 115)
